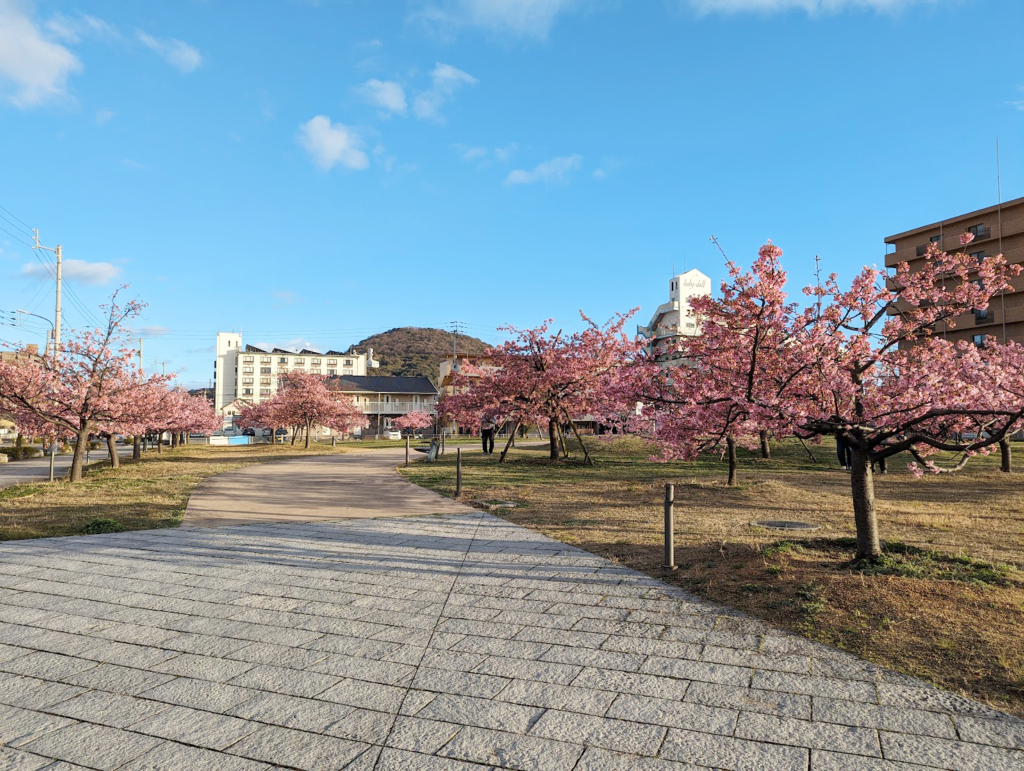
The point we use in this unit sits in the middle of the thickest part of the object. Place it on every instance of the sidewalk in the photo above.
(459, 641)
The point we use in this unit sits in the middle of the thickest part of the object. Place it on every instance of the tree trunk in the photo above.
(586, 455)
(510, 443)
(115, 461)
(766, 449)
(80, 447)
(174, 439)
(160, 442)
(136, 447)
(730, 445)
(553, 438)
(19, 447)
(862, 481)
(1004, 455)
(307, 436)
(295, 434)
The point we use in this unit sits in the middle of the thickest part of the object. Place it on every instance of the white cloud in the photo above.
(154, 331)
(446, 80)
(471, 153)
(73, 28)
(520, 18)
(104, 116)
(599, 174)
(332, 143)
(284, 297)
(133, 164)
(386, 95)
(504, 154)
(177, 53)
(554, 172)
(810, 6)
(92, 273)
(33, 70)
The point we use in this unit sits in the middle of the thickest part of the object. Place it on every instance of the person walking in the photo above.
(487, 429)
(844, 451)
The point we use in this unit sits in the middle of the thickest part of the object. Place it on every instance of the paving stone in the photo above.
(673, 714)
(889, 718)
(750, 699)
(218, 670)
(822, 760)
(999, 733)
(537, 694)
(170, 755)
(92, 745)
(805, 733)
(282, 680)
(514, 649)
(939, 753)
(190, 726)
(200, 694)
(632, 682)
(394, 759)
(33, 693)
(16, 760)
(702, 671)
(416, 734)
(18, 726)
(833, 688)
(47, 666)
(461, 683)
(606, 733)
(590, 657)
(734, 754)
(595, 759)
(297, 749)
(482, 713)
(511, 750)
(126, 654)
(528, 669)
(292, 712)
(117, 679)
(358, 693)
(109, 709)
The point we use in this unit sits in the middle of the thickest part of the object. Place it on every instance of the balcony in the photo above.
(396, 408)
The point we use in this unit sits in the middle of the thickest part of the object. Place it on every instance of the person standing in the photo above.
(487, 429)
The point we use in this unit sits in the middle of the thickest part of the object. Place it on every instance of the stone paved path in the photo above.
(436, 642)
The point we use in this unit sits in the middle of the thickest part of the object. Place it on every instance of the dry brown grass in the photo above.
(950, 614)
(137, 496)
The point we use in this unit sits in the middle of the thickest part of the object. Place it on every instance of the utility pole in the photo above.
(456, 328)
(56, 326)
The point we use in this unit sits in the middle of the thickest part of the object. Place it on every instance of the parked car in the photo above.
(249, 432)
(394, 434)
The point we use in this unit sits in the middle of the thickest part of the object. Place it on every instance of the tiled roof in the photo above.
(383, 384)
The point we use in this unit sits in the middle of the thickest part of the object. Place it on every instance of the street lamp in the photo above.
(52, 332)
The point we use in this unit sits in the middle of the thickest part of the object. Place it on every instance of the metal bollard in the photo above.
(407, 452)
(442, 442)
(670, 529)
(458, 472)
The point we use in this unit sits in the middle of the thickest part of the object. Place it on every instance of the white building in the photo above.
(250, 374)
(674, 319)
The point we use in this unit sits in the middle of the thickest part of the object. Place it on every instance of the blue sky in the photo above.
(314, 172)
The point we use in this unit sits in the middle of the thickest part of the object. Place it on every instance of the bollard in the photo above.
(458, 472)
(670, 546)
(442, 442)
(407, 452)
(51, 460)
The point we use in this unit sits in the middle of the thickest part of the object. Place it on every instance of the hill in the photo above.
(412, 351)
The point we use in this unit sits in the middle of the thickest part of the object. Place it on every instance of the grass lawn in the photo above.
(137, 496)
(947, 604)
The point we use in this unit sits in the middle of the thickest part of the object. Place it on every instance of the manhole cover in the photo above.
(783, 524)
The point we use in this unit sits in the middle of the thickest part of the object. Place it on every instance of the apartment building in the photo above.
(997, 229)
(674, 320)
(386, 397)
(251, 374)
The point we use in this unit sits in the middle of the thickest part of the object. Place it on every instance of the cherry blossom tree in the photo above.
(729, 389)
(305, 400)
(865, 365)
(413, 420)
(91, 385)
(547, 379)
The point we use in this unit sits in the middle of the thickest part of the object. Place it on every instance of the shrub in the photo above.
(26, 452)
(99, 525)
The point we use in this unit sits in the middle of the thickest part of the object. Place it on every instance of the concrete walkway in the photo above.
(429, 642)
(323, 487)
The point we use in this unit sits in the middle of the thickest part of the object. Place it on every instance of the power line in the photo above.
(27, 228)
(26, 243)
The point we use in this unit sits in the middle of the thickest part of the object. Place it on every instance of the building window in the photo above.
(282, 360)
(332, 372)
(348, 362)
(315, 362)
(979, 256)
(314, 371)
(247, 392)
(331, 362)
(301, 360)
(264, 370)
(282, 371)
(978, 340)
(982, 315)
(247, 370)
(265, 381)
(246, 381)
(264, 392)
(936, 239)
(248, 359)
(264, 360)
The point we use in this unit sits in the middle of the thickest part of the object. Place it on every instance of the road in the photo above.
(38, 469)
